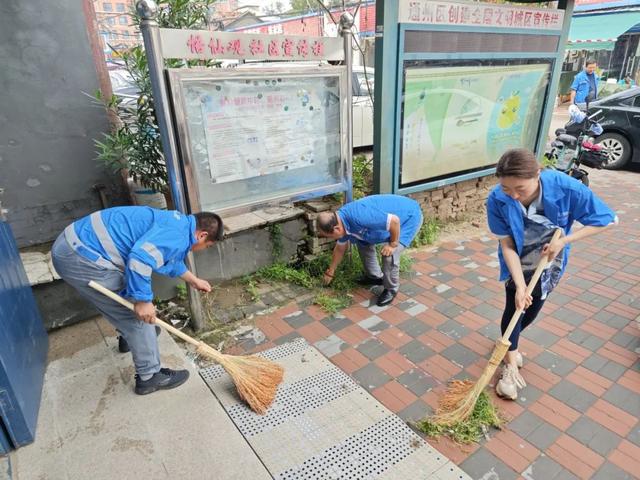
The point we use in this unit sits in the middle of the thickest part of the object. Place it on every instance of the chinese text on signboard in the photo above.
(479, 14)
(230, 45)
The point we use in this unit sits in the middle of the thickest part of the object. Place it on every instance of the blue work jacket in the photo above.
(581, 85)
(137, 241)
(565, 200)
(367, 221)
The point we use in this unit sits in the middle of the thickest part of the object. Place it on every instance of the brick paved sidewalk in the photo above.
(578, 416)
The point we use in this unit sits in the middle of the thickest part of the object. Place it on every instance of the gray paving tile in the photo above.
(371, 376)
(414, 327)
(554, 363)
(374, 324)
(441, 276)
(460, 355)
(585, 339)
(569, 316)
(594, 436)
(634, 435)
(487, 311)
(543, 468)
(524, 424)
(612, 370)
(559, 298)
(565, 475)
(335, 323)
(625, 340)
(411, 289)
(330, 346)
(540, 336)
(483, 464)
(298, 319)
(595, 362)
(449, 309)
(414, 412)
(416, 351)
(528, 395)
(608, 471)
(543, 436)
(372, 348)
(624, 399)
(417, 381)
(491, 331)
(572, 395)
(453, 329)
(289, 337)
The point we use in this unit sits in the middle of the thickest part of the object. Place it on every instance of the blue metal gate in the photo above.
(23, 349)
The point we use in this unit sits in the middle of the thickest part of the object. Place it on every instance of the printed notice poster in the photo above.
(262, 126)
(462, 118)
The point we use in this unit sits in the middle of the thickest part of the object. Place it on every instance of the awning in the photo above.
(599, 32)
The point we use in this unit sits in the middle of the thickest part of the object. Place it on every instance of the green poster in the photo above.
(461, 118)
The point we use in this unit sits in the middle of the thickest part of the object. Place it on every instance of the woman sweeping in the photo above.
(524, 210)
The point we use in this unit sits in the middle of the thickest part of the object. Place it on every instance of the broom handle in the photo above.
(532, 283)
(129, 305)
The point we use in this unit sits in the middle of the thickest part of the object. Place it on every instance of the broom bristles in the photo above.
(459, 400)
(255, 378)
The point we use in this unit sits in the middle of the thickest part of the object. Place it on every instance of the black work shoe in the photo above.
(123, 346)
(165, 379)
(385, 298)
(367, 280)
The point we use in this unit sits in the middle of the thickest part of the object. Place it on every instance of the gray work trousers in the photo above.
(77, 272)
(390, 271)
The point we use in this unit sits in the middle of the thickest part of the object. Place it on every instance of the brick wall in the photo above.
(460, 201)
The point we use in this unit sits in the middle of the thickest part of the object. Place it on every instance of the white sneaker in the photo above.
(509, 383)
(519, 360)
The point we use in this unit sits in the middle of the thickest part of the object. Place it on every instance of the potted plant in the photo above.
(133, 147)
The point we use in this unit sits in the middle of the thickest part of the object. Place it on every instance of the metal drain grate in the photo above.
(361, 456)
(293, 400)
(299, 345)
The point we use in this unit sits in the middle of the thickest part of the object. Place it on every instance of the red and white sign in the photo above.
(203, 45)
(479, 14)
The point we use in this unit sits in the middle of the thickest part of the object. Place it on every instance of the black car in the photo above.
(620, 120)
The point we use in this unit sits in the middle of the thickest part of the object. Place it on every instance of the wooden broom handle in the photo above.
(532, 283)
(129, 305)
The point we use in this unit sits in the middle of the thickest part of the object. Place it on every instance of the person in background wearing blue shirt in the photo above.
(119, 248)
(523, 211)
(585, 84)
(392, 220)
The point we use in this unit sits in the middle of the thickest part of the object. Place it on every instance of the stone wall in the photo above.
(460, 201)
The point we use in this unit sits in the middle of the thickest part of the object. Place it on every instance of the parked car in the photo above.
(362, 101)
(620, 121)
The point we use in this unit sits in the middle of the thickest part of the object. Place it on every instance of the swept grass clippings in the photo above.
(332, 303)
(484, 415)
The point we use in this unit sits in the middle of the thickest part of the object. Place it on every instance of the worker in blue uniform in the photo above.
(524, 210)
(391, 220)
(120, 248)
(585, 84)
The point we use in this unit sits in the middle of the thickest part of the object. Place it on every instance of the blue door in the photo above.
(23, 349)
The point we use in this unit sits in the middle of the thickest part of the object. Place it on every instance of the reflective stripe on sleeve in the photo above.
(152, 250)
(140, 268)
(105, 239)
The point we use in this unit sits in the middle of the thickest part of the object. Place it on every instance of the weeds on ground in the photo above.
(428, 233)
(485, 415)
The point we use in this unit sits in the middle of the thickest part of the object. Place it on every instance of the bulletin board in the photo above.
(259, 136)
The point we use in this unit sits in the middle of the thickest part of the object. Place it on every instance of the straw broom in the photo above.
(460, 398)
(256, 378)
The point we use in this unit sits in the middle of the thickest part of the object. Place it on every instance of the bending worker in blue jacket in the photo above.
(390, 219)
(119, 248)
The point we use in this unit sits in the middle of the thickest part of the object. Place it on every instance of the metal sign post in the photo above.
(346, 24)
(147, 9)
